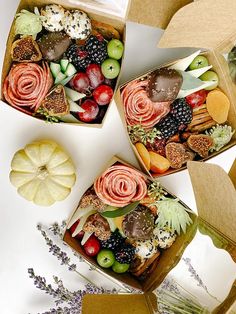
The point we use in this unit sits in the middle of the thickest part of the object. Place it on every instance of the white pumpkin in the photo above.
(42, 172)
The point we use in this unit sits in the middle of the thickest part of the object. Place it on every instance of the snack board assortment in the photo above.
(176, 113)
(126, 222)
(64, 65)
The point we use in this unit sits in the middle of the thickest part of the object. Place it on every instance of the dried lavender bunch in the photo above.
(171, 301)
(73, 300)
(60, 294)
(58, 230)
(60, 255)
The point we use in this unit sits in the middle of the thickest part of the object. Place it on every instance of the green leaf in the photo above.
(189, 81)
(121, 211)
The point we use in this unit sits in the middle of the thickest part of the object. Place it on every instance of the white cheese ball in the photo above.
(53, 17)
(77, 24)
(146, 248)
(165, 237)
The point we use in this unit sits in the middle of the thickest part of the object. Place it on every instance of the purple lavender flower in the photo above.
(66, 302)
(170, 285)
(194, 274)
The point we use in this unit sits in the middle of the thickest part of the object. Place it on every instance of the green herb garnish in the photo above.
(48, 117)
(114, 212)
(156, 191)
(138, 134)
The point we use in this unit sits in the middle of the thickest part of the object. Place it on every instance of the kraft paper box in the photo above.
(156, 13)
(211, 26)
(214, 191)
(168, 259)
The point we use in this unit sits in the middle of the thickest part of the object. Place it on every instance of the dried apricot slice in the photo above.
(218, 105)
(159, 164)
(144, 154)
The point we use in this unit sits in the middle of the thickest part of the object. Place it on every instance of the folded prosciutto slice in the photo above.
(139, 109)
(120, 185)
(27, 85)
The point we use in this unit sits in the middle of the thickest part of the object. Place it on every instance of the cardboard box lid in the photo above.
(215, 196)
(203, 24)
(156, 13)
(121, 303)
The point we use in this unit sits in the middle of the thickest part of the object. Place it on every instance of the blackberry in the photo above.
(78, 56)
(167, 126)
(96, 48)
(125, 254)
(114, 241)
(181, 112)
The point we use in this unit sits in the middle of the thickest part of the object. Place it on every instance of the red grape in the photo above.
(72, 229)
(91, 111)
(80, 82)
(92, 246)
(95, 75)
(103, 94)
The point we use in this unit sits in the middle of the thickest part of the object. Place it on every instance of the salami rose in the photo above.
(120, 185)
(138, 106)
(26, 86)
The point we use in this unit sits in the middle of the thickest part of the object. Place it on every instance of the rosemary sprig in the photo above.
(138, 134)
(47, 116)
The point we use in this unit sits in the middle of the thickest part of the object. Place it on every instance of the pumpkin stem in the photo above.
(42, 172)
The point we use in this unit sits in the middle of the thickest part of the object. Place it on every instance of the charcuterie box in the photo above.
(213, 189)
(63, 58)
(184, 110)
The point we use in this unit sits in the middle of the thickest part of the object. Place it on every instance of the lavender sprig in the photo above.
(60, 255)
(58, 230)
(61, 294)
(169, 285)
(194, 273)
(64, 310)
(197, 278)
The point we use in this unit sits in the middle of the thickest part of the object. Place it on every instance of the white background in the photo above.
(21, 245)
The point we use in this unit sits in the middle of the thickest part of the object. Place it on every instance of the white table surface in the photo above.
(20, 243)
